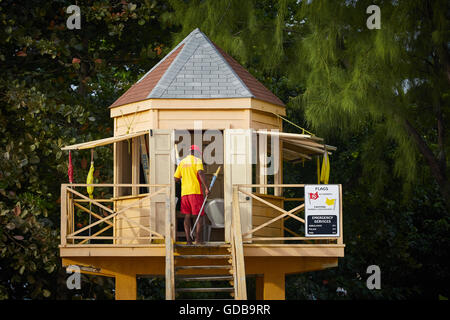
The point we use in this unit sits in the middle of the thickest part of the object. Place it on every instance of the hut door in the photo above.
(238, 170)
(161, 172)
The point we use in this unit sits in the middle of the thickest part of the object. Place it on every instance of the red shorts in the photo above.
(191, 204)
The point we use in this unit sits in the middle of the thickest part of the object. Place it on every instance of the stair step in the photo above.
(204, 289)
(205, 278)
(206, 244)
(203, 267)
(203, 256)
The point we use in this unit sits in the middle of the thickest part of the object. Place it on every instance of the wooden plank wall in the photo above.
(181, 119)
(212, 119)
(263, 120)
(136, 122)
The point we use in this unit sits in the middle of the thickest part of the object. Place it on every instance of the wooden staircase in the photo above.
(207, 269)
(214, 263)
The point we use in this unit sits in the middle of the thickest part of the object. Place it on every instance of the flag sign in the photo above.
(322, 203)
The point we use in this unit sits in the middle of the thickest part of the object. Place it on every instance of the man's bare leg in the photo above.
(198, 231)
(187, 228)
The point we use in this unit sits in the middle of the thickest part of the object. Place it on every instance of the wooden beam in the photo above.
(264, 224)
(96, 234)
(270, 186)
(105, 185)
(90, 200)
(103, 142)
(292, 238)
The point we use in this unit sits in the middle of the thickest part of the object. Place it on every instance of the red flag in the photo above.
(70, 169)
(313, 196)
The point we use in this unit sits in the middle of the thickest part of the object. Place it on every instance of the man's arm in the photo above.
(177, 179)
(201, 175)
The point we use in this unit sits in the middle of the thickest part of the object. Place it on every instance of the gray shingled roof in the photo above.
(199, 71)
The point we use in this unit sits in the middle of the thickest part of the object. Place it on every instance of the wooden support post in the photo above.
(262, 163)
(274, 285)
(278, 177)
(126, 286)
(116, 171)
(135, 165)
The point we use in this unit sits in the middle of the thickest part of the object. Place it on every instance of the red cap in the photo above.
(196, 148)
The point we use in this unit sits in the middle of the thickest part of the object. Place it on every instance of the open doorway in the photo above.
(211, 144)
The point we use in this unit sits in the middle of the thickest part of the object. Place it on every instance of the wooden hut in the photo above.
(196, 94)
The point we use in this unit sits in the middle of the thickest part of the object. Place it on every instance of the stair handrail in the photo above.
(169, 244)
(238, 249)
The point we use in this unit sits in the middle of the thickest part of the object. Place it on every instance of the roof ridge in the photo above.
(187, 41)
(213, 45)
(167, 55)
(275, 100)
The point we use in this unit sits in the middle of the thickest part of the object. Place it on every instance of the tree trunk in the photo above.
(437, 169)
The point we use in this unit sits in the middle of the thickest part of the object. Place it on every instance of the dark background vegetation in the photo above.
(380, 96)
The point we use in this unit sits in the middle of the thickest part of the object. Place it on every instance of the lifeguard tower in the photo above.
(197, 94)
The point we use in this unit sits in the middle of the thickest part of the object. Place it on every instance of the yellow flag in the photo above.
(90, 180)
(318, 170)
(325, 174)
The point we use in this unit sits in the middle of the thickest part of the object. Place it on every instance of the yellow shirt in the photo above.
(187, 170)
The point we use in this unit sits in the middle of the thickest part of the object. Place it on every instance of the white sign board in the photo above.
(322, 203)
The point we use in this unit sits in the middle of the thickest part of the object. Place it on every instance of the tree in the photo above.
(56, 85)
(396, 78)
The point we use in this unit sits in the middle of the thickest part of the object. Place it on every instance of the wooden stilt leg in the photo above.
(126, 287)
(274, 286)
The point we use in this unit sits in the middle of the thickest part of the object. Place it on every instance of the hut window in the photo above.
(130, 165)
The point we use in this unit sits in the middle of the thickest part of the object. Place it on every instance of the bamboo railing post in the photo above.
(170, 277)
(63, 214)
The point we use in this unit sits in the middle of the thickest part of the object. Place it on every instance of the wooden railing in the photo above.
(101, 228)
(237, 250)
(284, 215)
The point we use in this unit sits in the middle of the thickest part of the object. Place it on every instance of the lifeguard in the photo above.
(190, 172)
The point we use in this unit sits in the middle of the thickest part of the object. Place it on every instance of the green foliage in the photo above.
(56, 85)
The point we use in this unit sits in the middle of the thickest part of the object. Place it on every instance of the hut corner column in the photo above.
(126, 286)
(274, 285)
